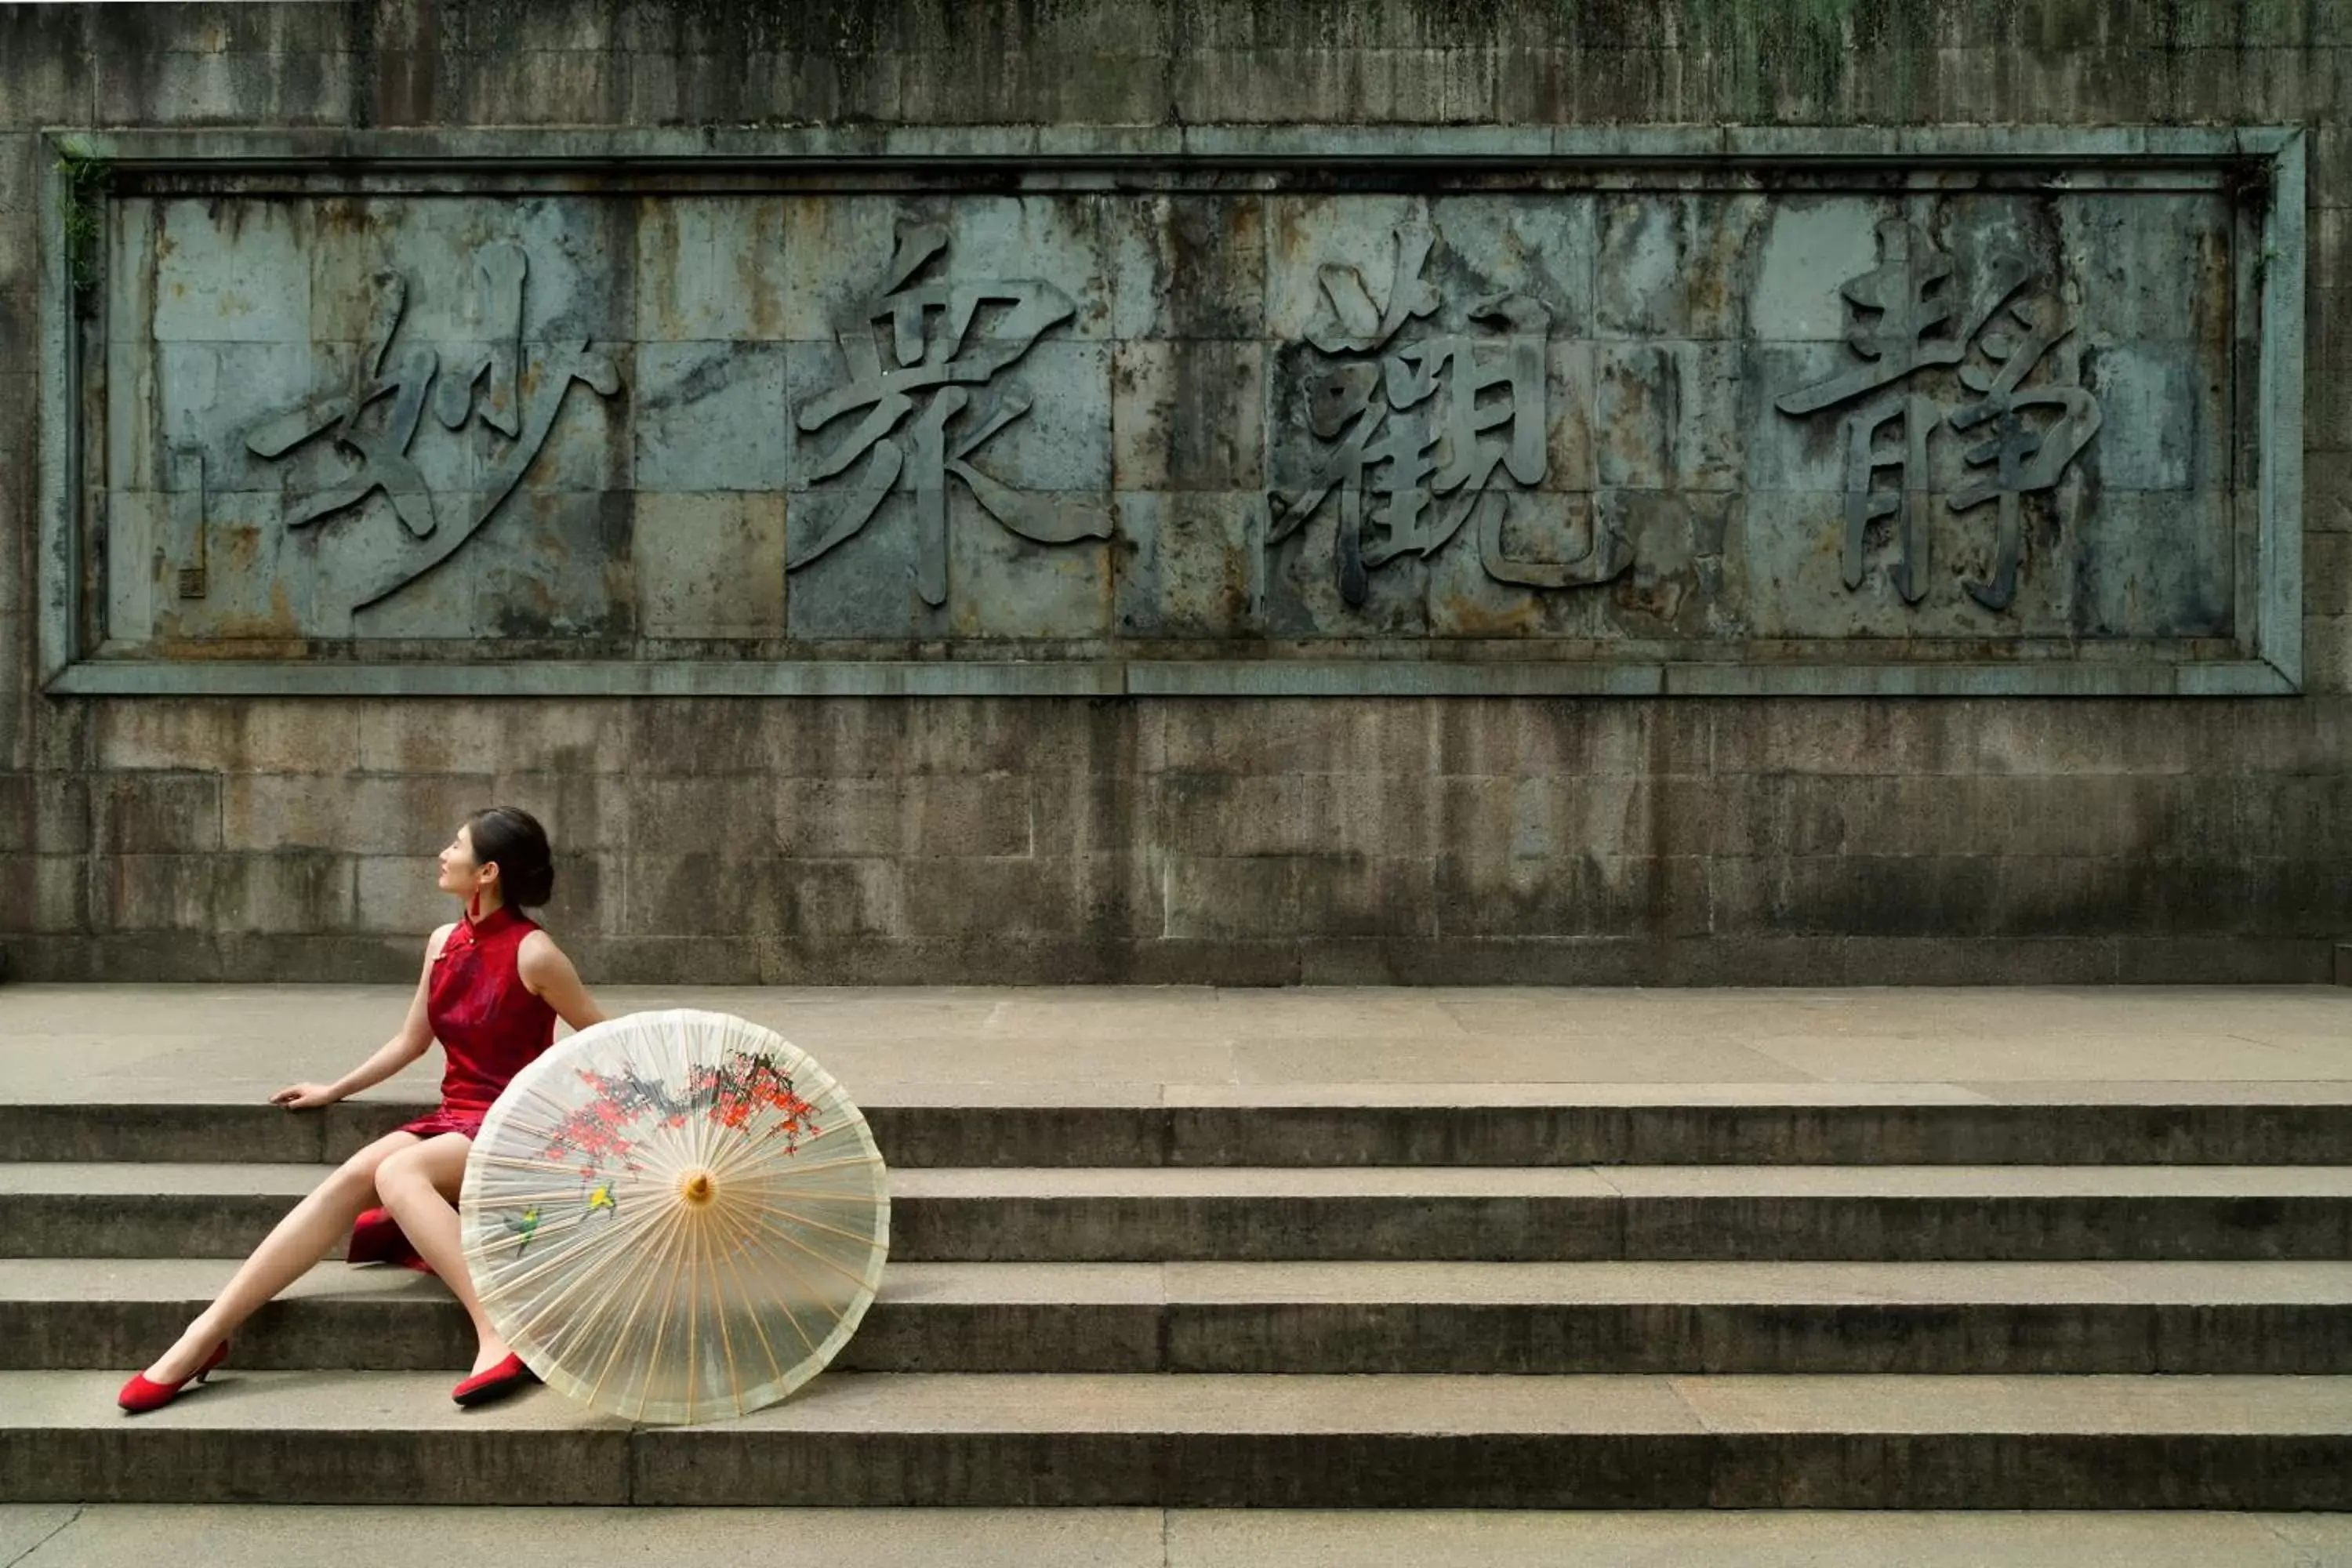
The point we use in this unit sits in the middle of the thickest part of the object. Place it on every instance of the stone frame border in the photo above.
(2274, 667)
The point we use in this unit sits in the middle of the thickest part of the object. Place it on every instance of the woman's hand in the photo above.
(305, 1096)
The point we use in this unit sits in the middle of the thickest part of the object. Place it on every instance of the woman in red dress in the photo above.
(493, 986)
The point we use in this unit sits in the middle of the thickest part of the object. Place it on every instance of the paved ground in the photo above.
(64, 1537)
(1194, 1045)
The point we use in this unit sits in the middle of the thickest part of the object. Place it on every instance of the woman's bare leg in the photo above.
(304, 1236)
(420, 1186)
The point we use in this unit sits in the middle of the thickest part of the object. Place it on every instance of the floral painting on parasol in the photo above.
(674, 1217)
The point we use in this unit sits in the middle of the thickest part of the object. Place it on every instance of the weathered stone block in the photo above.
(727, 813)
(410, 86)
(1187, 266)
(146, 813)
(1188, 415)
(2272, 817)
(585, 814)
(852, 816)
(1393, 897)
(48, 893)
(2292, 896)
(1023, 84)
(726, 889)
(1248, 86)
(299, 893)
(1007, 896)
(969, 817)
(2328, 568)
(706, 268)
(794, 87)
(2328, 410)
(845, 901)
(1291, 813)
(1747, 815)
(420, 735)
(1285, 735)
(220, 88)
(710, 417)
(160, 893)
(541, 86)
(44, 814)
(267, 737)
(1895, 896)
(1187, 563)
(1547, 818)
(1215, 897)
(2220, 961)
(217, 30)
(1676, 269)
(49, 69)
(710, 566)
(1668, 415)
(2327, 654)
(1654, 896)
(1482, 246)
(397, 814)
(24, 166)
(657, 26)
(248, 286)
(1581, 736)
(1825, 737)
(399, 894)
(546, 577)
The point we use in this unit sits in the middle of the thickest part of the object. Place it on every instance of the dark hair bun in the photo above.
(511, 839)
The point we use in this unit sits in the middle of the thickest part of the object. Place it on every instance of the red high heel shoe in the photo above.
(496, 1382)
(143, 1393)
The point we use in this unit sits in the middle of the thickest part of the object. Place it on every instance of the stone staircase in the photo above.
(1653, 1297)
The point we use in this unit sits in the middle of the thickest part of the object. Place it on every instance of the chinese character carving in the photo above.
(929, 413)
(1907, 309)
(2024, 456)
(1429, 428)
(489, 382)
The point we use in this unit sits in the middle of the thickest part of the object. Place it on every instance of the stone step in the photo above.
(1243, 1214)
(1021, 1126)
(1171, 1439)
(260, 1536)
(1462, 1318)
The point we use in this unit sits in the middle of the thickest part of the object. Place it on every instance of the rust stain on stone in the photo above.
(1660, 599)
(1470, 615)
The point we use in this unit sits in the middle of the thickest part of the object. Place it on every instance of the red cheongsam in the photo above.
(491, 1027)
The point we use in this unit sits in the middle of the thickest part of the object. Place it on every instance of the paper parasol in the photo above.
(674, 1217)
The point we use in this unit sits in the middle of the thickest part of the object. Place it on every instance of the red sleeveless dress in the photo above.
(490, 1024)
(491, 1027)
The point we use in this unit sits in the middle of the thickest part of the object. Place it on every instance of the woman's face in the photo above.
(461, 873)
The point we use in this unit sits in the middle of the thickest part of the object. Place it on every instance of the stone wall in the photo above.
(1340, 837)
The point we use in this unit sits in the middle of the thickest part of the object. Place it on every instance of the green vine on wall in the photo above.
(87, 175)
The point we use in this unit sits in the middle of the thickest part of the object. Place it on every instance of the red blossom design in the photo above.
(731, 1095)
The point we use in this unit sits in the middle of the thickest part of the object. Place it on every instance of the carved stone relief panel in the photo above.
(312, 407)
(1592, 420)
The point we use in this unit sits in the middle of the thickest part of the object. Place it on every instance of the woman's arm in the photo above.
(547, 973)
(415, 1039)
